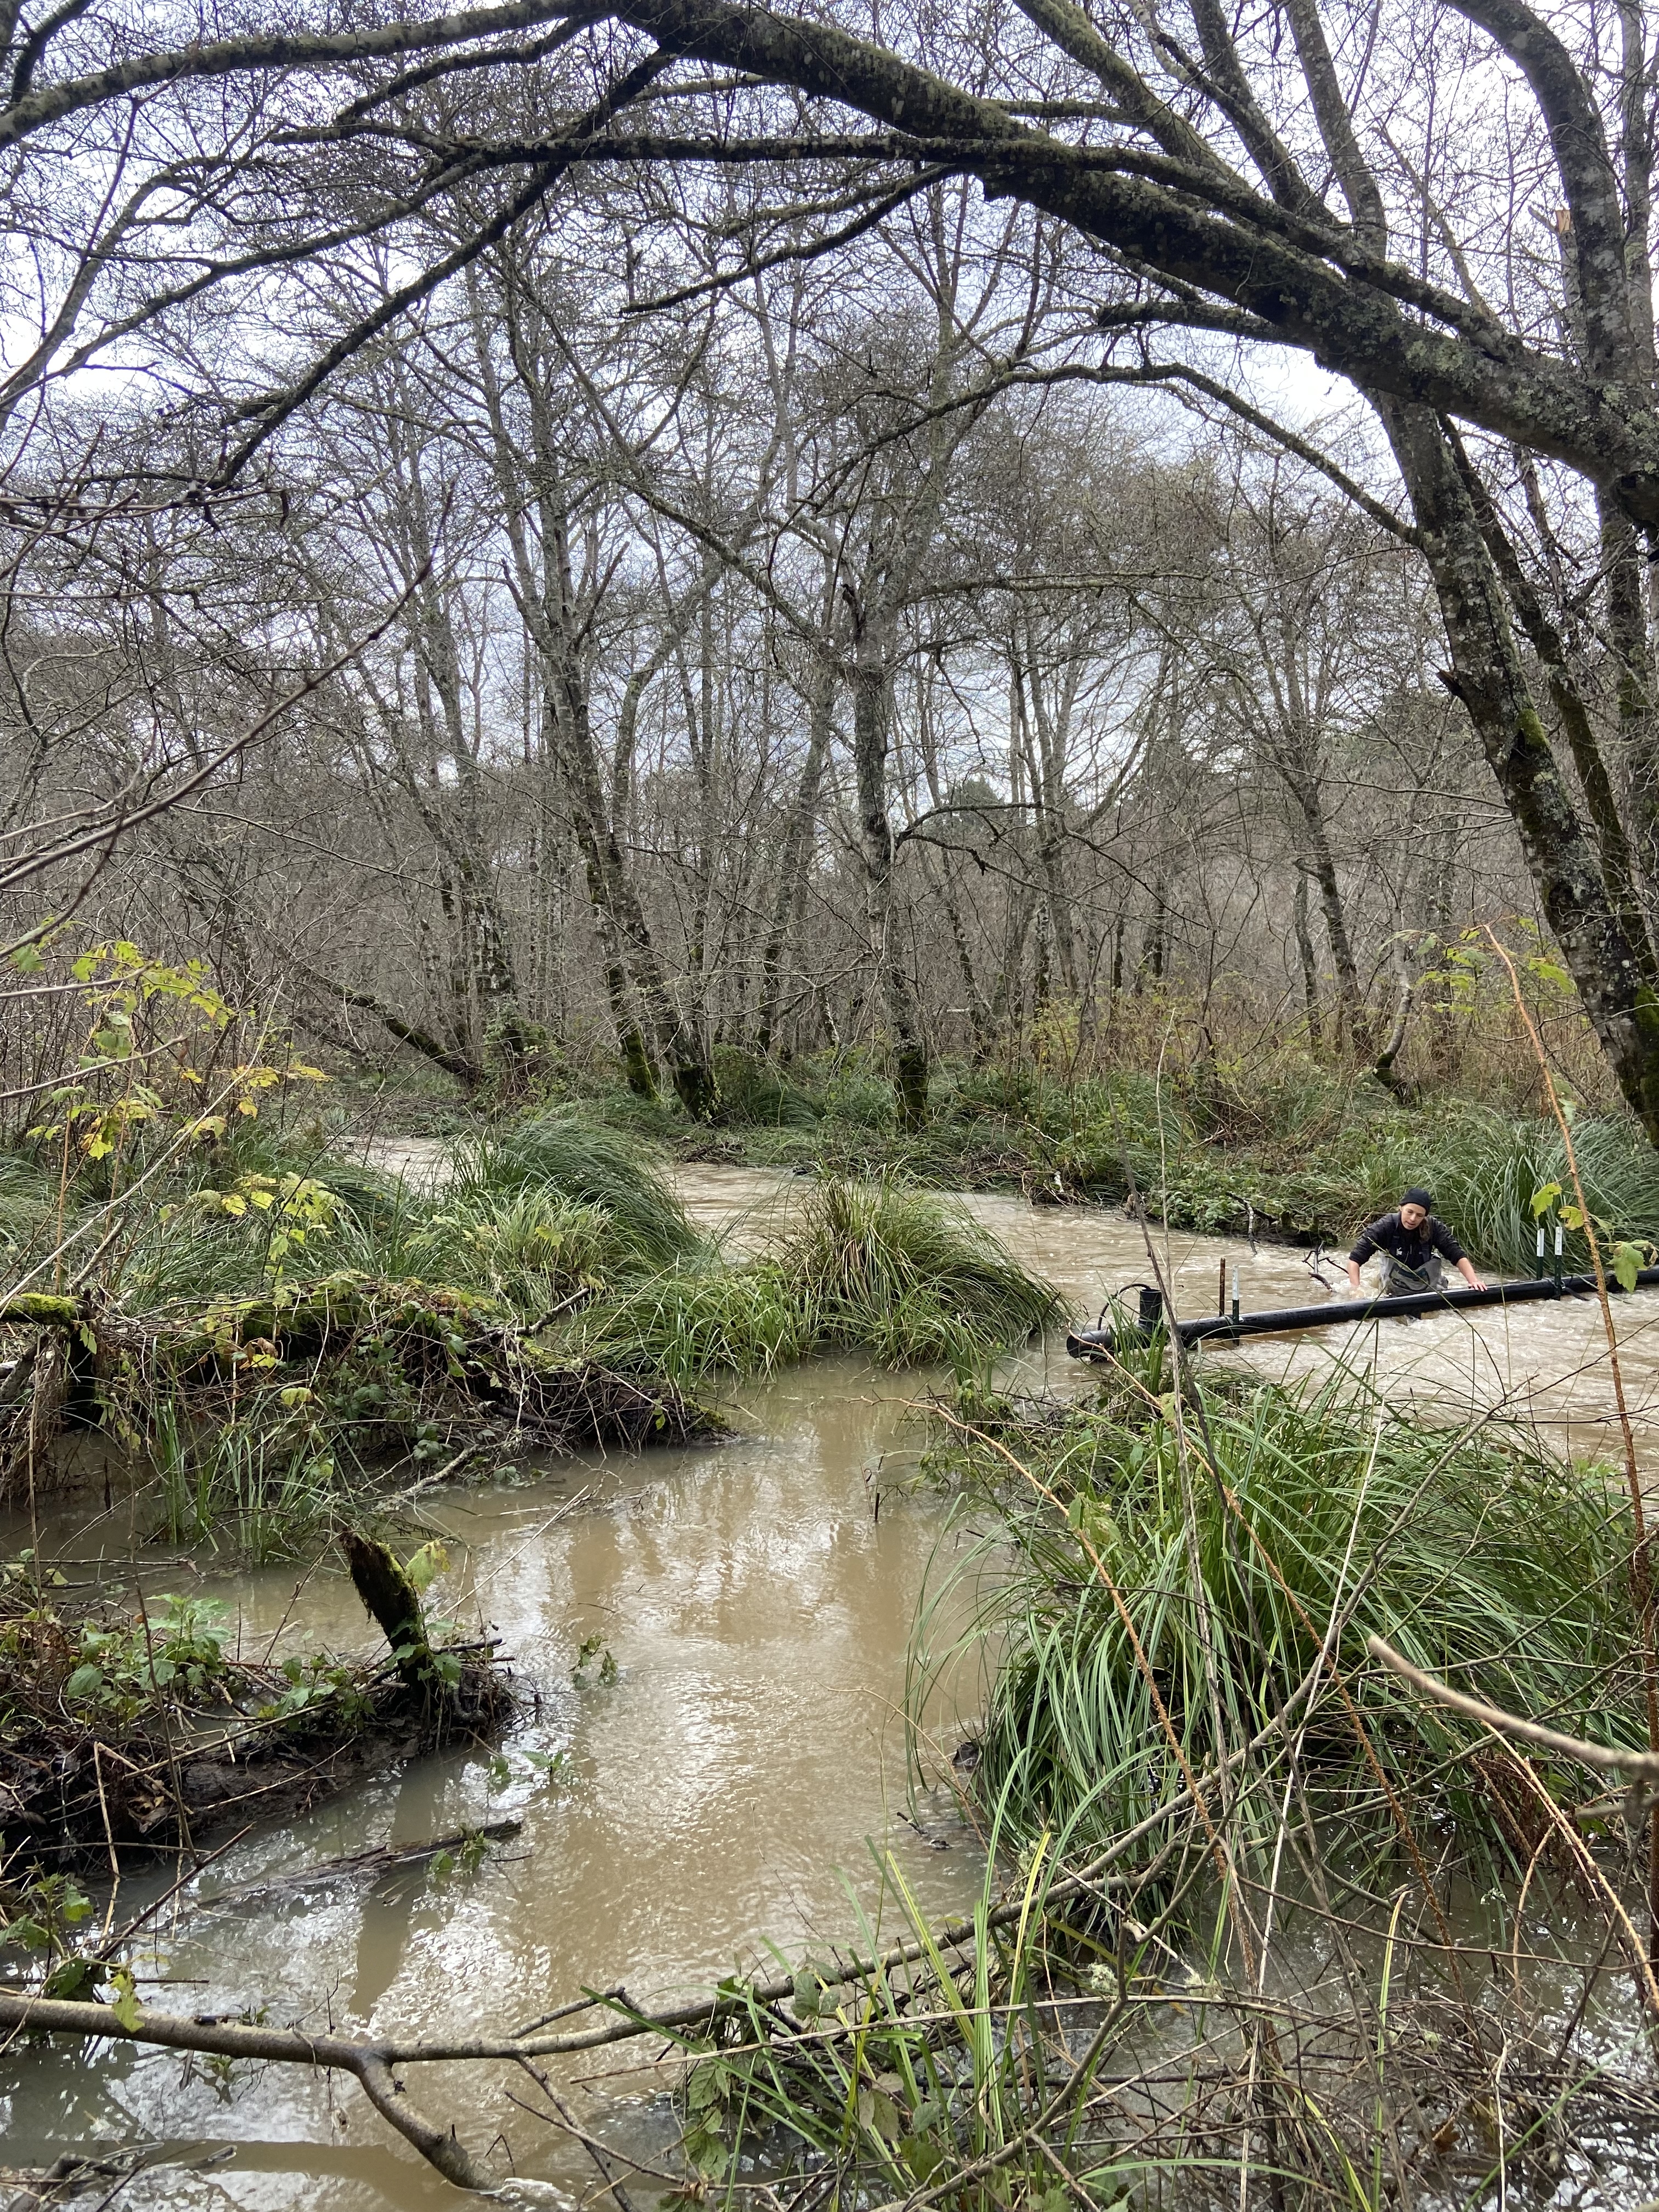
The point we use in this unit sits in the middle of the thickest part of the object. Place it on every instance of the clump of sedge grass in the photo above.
(702, 1320)
(27, 1207)
(1485, 1169)
(1480, 1556)
(589, 1165)
(910, 1277)
(870, 1266)
(533, 1249)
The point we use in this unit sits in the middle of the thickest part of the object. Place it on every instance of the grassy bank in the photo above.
(277, 1334)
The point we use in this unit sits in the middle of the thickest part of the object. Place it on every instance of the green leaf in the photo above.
(73, 1980)
(84, 1682)
(923, 2157)
(425, 1565)
(1626, 1265)
(126, 2008)
(707, 2087)
(877, 2115)
(1543, 1198)
(27, 960)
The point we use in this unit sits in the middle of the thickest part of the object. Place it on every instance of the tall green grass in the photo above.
(909, 1276)
(532, 1248)
(1479, 1556)
(706, 1319)
(587, 1164)
(875, 1266)
(27, 1208)
(264, 1493)
(1484, 1170)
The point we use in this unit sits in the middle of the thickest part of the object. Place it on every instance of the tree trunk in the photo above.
(1611, 962)
(1322, 865)
(1632, 674)
(1305, 953)
(454, 1062)
(795, 852)
(392, 1600)
(873, 693)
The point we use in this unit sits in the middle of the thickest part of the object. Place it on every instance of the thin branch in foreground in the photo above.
(1640, 1765)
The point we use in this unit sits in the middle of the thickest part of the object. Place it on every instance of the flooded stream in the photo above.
(722, 1789)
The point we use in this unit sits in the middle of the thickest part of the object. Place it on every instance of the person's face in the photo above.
(1413, 1217)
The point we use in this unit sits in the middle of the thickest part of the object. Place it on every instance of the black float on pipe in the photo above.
(1101, 1343)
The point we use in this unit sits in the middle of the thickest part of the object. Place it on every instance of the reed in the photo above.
(261, 1491)
(27, 1207)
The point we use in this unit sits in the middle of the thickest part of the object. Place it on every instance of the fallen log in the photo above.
(378, 1363)
(356, 1866)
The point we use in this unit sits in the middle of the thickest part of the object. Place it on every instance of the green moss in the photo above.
(40, 1309)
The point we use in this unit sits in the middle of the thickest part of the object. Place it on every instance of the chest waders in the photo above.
(1399, 1279)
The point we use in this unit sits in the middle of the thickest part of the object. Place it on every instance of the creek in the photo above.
(721, 1791)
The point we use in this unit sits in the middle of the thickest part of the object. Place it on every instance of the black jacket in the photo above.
(1410, 1246)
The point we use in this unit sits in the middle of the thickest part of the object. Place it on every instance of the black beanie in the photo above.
(1415, 1197)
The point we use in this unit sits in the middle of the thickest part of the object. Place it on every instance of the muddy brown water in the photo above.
(725, 1790)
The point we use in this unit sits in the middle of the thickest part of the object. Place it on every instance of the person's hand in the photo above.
(1473, 1281)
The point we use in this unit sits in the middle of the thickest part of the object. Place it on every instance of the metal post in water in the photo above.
(1221, 1284)
(1541, 1251)
(1558, 1259)
(1235, 1290)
